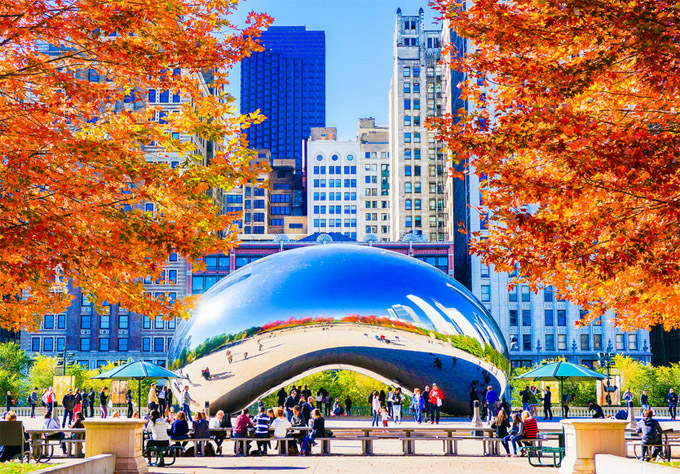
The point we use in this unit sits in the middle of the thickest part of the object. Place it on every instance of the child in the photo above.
(384, 416)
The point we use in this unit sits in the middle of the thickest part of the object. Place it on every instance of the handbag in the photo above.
(439, 402)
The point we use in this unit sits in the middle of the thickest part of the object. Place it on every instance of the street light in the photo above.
(607, 362)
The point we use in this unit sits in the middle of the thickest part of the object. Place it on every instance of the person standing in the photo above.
(628, 398)
(281, 396)
(436, 400)
(8, 401)
(161, 400)
(375, 408)
(153, 399)
(69, 404)
(397, 399)
(547, 404)
(91, 397)
(426, 403)
(104, 402)
(348, 406)
(130, 407)
(474, 397)
(491, 398)
(168, 399)
(49, 399)
(85, 402)
(390, 396)
(566, 400)
(644, 400)
(79, 402)
(290, 402)
(186, 401)
(672, 403)
(33, 401)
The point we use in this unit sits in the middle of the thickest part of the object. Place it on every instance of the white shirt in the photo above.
(50, 424)
(375, 404)
(159, 430)
(389, 396)
(281, 427)
(214, 422)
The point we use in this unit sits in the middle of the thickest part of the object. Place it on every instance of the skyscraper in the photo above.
(287, 83)
(416, 158)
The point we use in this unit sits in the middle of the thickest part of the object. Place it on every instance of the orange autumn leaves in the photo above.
(574, 131)
(83, 150)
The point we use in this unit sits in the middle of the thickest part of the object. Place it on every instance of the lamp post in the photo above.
(607, 362)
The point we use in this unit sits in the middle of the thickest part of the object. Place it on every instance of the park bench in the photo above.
(240, 444)
(157, 455)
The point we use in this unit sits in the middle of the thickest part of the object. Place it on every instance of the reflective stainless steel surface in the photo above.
(338, 305)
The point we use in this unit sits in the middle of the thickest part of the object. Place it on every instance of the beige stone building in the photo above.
(374, 185)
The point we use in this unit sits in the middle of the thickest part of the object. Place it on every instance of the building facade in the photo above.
(416, 158)
(287, 83)
(332, 192)
(536, 326)
(374, 181)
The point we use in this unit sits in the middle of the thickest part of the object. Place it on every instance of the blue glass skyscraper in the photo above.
(287, 83)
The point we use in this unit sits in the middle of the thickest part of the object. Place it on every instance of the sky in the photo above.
(359, 51)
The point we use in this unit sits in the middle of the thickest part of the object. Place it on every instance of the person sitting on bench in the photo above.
(8, 452)
(158, 432)
(51, 423)
(651, 435)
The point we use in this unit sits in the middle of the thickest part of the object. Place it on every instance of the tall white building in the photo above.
(332, 179)
(416, 159)
(374, 185)
(538, 325)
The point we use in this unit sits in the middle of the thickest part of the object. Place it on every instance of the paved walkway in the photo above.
(352, 464)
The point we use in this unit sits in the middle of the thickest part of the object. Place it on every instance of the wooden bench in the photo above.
(242, 443)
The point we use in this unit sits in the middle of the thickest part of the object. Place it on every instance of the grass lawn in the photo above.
(19, 468)
(675, 464)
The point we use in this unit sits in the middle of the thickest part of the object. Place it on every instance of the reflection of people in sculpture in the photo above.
(245, 355)
(229, 356)
(259, 345)
(206, 373)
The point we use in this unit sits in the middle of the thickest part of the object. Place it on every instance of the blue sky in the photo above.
(359, 35)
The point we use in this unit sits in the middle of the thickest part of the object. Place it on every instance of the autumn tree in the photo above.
(84, 146)
(573, 130)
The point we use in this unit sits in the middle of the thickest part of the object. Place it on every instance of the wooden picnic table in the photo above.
(37, 435)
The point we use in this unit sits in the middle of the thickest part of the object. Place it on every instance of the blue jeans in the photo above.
(307, 444)
(186, 410)
(434, 412)
(672, 408)
(32, 410)
(67, 414)
(396, 410)
(375, 418)
(514, 439)
(506, 443)
(417, 415)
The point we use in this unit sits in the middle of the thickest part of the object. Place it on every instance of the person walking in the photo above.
(547, 404)
(33, 401)
(104, 402)
(130, 407)
(566, 401)
(69, 404)
(375, 408)
(628, 398)
(186, 401)
(426, 401)
(397, 400)
(389, 399)
(91, 397)
(491, 398)
(644, 400)
(8, 401)
(436, 400)
(79, 402)
(672, 403)
(153, 398)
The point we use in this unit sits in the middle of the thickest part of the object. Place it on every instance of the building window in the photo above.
(549, 342)
(407, 137)
(103, 344)
(526, 294)
(409, 221)
(84, 344)
(561, 342)
(548, 294)
(172, 324)
(61, 321)
(407, 170)
(526, 342)
(85, 321)
(146, 322)
(512, 295)
(514, 342)
(597, 342)
(407, 71)
(632, 342)
(561, 317)
(486, 293)
(526, 317)
(158, 344)
(61, 342)
(158, 323)
(123, 321)
(104, 321)
(408, 204)
(123, 344)
(146, 344)
(35, 344)
(549, 317)
(408, 187)
(172, 276)
(513, 318)
(48, 322)
(585, 342)
(407, 104)
(416, 205)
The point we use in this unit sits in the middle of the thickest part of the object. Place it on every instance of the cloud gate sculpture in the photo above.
(333, 306)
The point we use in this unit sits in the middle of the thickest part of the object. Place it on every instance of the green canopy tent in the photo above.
(139, 371)
(561, 371)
